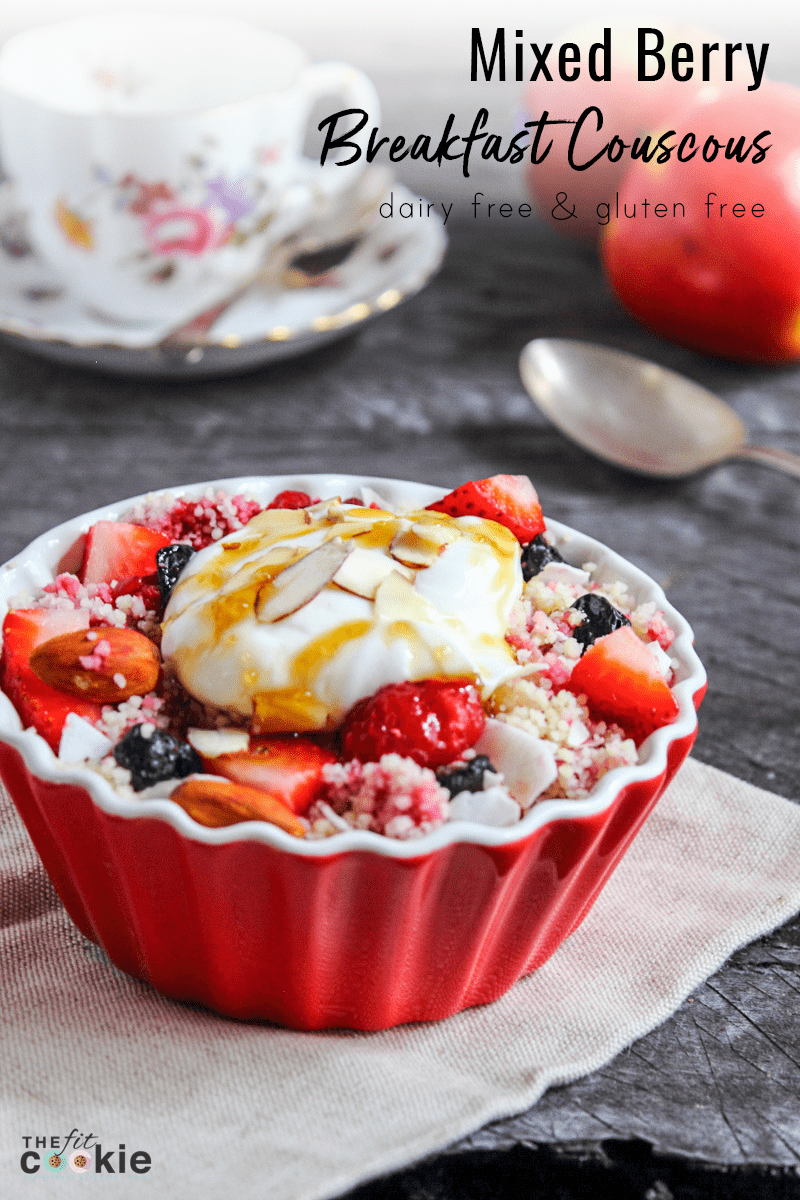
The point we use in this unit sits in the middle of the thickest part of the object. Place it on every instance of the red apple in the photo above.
(719, 269)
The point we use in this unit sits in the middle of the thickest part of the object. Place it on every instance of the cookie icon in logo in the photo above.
(79, 1161)
(56, 1162)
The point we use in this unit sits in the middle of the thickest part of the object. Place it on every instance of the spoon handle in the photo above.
(771, 456)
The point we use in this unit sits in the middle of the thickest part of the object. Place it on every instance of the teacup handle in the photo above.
(340, 79)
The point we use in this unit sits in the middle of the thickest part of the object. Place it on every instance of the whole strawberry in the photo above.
(432, 721)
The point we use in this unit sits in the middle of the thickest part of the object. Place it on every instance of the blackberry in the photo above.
(170, 561)
(599, 618)
(468, 778)
(536, 555)
(151, 759)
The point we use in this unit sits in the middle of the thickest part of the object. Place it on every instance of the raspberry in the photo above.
(432, 721)
(290, 499)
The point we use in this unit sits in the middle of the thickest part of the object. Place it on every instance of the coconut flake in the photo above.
(371, 498)
(493, 806)
(560, 572)
(527, 763)
(209, 743)
(80, 740)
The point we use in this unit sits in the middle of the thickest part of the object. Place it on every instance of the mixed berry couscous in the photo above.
(329, 664)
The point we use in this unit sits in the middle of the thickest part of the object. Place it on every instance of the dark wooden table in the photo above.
(708, 1104)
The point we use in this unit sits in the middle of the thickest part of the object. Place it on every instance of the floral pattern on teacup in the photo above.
(76, 229)
(179, 229)
(145, 195)
(208, 211)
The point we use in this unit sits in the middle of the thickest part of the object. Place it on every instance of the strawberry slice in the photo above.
(116, 550)
(511, 500)
(621, 682)
(289, 768)
(37, 703)
(145, 586)
(71, 560)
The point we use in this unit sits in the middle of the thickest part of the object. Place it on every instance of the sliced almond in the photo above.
(363, 571)
(421, 545)
(264, 566)
(336, 511)
(278, 521)
(117, 664)
(396, 599)
(275, 556)
(323, 508)
(362, 512)
(217, 802)
(210, 743)
(439, 535)
(299, 583)
(352, 529)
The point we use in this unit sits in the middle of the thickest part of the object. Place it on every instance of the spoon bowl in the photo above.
(635, 413)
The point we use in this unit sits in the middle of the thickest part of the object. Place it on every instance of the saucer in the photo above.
(332, 281)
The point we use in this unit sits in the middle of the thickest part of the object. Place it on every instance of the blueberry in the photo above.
(599, 618)
(170, 561)
(536, 555)
(468, 778)
(151, 759)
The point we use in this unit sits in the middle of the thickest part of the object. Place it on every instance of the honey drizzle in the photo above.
(296, 708)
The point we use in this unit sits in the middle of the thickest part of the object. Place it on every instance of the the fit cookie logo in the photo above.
(81, 1153)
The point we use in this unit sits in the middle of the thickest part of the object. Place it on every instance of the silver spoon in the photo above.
(636, 413)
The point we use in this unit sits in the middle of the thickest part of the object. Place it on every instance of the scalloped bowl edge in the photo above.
(494, 902)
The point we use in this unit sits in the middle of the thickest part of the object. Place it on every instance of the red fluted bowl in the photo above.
(356, 931)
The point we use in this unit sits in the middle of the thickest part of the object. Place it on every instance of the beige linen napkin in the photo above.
(253, 1111)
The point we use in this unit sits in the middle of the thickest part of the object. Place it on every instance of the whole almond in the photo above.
(117, 664)
(216, 802)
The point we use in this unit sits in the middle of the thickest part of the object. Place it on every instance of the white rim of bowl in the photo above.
(34, 566)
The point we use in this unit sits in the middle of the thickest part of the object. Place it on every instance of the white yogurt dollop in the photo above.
(421, 595)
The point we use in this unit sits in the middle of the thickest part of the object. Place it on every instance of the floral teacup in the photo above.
(160, 157)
